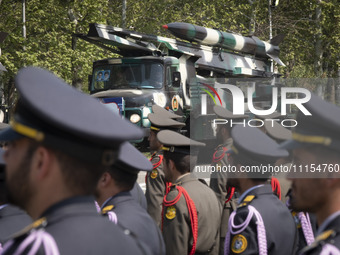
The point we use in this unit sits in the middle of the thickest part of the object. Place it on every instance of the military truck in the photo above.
(174, 73)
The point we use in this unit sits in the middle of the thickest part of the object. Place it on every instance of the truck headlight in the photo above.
(134, 118)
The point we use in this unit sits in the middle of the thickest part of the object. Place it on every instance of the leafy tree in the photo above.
(310, 48)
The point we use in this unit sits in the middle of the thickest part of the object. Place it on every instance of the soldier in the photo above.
(261, 224)
(156, 185)
(218, 179)
(12, 219)
(191, 212)
(113, 195)
(60, 142)
(316, 145)
(305, 223)
(138, 194)
(280, 134)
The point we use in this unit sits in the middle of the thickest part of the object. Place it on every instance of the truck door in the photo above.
(174, 93)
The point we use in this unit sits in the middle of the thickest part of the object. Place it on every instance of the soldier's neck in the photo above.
(180, 176)
(332, 205)
(245, 184)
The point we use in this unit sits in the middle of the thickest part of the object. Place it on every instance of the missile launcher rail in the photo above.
(225, 62)
(186, 68)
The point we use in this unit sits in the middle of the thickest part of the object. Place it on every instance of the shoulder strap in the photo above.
(167, 187)
(36, 238)
(154, 165)
(158, 163)
(320, 239)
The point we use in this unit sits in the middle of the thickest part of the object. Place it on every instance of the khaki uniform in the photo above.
(177, 224)
(155, 188)
(218, 183)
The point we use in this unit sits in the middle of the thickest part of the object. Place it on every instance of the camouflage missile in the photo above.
(212, 37)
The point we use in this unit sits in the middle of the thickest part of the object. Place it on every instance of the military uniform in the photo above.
(278, 227)
(121, 207)
(305, 224)
(218, 179)
(156, 186)
(177, 224)
(262, 224)
(279, 134)
(12, 219)
(138, 194)
(328, 239)
(191, 212)
(318, 130)
(56, 116)
(218, 183)
(73, 226)
(134, 218)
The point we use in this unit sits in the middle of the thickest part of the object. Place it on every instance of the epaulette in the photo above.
(32, 238)
(107, 208)
(40, 223)
(158, 163)
(320, 240)
(155, 165)
(219, 153)
(247, 200)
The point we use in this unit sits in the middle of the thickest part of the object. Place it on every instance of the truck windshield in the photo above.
(128, 76)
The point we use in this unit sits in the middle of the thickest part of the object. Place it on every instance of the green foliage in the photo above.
(50, 25)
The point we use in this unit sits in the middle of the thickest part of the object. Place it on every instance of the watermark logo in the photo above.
(204, 98)
(239, 105)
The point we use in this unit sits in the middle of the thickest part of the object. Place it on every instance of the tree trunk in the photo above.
(318, 41)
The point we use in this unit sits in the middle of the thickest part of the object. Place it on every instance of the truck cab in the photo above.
(131, 85)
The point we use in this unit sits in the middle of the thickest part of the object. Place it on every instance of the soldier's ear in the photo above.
(105, 179)
(171, 164)
(41, 163)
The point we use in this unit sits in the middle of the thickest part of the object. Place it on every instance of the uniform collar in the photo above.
(3, 206)
(116, 199)
(183, 178)
(256, 190)
(327, 222)
(77, 200)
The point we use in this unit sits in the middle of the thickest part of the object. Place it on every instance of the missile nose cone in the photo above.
(165, 26)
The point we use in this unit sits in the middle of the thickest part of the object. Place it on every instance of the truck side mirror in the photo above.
(176, 79)
(89, 82)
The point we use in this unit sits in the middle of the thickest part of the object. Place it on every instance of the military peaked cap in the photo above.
(55, 114)
(255, 146)
(322, 127)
